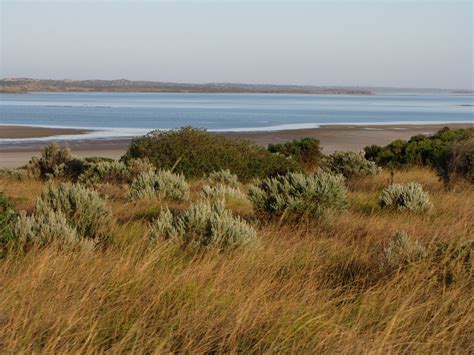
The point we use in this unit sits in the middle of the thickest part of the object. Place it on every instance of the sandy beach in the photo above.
(336, 137)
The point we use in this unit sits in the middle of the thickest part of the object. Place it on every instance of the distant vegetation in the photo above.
(197, 243)
(17, 85)
(197, 153)
(450, 152)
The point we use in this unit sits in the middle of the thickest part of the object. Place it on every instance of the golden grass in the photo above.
(305, 288)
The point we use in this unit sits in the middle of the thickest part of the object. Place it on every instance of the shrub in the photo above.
(222, 192)
(299, 195)
(305, 151)
(7, 218)
(45, 227)
(197, 153)
(419, 150)
(458, 163)
(138, 166)
(409, 196)
(402, 251)
(164, 184)
(106, 172)
(351, 164)
(83, 208)
(204, 225)
(19, 174)
(224, 177)
(56, 161)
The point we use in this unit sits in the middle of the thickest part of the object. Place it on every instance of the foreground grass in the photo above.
(307, 287)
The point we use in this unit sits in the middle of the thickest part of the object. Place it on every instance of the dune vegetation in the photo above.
(224, 246)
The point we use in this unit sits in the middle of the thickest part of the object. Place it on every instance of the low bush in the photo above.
(203, 225)
(222, 192)
(458, 163)
(419, 150)
(298, 195)
(106, 172)
(410, 196)
(139, 166)
(163, 185)
(224, 177)
(402, 251)
(83, 208)
(351, 164)
(306, 151)
(56, 161)
(197, 153)
(45, 227)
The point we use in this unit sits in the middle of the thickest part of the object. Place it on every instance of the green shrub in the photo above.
(56, 161)
(197, 153)
(203, 225)
(306, 151)
(298, 195)
(458, 163)
(106, 172)
(402, 251)
(224, 177)
(419, 150)
(351, 164)
(163, 185)
(409, 196)
(83, 208)
(7, 218)
(45, 227)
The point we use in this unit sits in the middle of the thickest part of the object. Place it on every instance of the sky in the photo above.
(345, 43)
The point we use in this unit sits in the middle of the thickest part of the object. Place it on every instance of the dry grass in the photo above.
(306, 288)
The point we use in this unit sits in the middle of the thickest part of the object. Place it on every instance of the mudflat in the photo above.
(335, 137)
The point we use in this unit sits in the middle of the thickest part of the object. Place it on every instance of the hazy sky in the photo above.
(378, 43)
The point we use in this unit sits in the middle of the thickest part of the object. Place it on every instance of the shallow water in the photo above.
(128, 114)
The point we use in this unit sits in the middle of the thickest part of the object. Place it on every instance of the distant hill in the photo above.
(20, 85)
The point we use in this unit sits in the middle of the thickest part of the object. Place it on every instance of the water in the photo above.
(129, 114)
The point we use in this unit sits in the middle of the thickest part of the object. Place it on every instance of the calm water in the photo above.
(126, 114)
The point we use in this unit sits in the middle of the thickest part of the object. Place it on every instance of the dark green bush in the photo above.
(420, 150)
(305, 151)
(197, 153)
(458, 162)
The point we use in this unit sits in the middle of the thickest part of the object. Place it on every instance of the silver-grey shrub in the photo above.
(106, 172)
(84, 209)
(402, 250)
(299, 195)
(351, 164)
(139, 166)
(410, 197)
(204, 225)
(222, 192)
(46, 227)
(163, 185)
(224, 177)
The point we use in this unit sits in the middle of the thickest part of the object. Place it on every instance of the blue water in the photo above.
(127, 114)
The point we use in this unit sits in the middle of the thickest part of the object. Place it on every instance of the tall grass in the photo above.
(307, 288)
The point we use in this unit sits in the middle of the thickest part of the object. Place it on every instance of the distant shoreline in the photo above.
(25, 85)
(332, 137)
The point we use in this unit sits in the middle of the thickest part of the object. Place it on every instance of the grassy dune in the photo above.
(307, 287)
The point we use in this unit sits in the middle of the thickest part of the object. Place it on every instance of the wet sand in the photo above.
(36, 132)
(336, 137)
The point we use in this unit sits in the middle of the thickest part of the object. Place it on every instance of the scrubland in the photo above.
(363, 278)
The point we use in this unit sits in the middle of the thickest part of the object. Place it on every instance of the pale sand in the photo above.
(347, 137)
